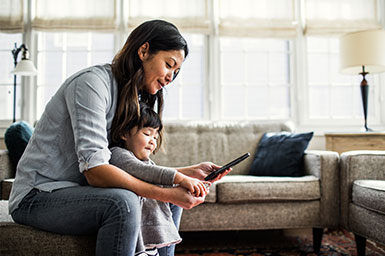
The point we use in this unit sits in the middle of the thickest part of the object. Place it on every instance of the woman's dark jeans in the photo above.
(111, 213)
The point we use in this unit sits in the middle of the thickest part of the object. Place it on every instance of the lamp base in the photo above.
(366, 129)
(364, 96)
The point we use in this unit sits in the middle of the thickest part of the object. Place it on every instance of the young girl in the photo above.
(132, 154)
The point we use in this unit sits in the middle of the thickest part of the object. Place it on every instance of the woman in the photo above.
(64, 182)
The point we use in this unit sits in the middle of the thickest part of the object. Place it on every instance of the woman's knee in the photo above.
(125, 205)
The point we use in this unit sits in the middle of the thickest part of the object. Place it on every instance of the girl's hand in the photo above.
(196, 187)
(200, 171)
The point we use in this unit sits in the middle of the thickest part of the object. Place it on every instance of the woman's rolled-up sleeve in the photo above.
(88, 100)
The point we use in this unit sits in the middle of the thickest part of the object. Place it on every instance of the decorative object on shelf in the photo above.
(24, 68)
(363, 52)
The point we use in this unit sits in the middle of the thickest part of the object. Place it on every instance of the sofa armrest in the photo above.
(355, 165)
(7, 170)
(325, 165)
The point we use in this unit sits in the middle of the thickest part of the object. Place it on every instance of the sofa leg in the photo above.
(317, 239)
(360, 245)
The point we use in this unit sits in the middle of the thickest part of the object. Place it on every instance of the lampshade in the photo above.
(25, 68)
(363, 48)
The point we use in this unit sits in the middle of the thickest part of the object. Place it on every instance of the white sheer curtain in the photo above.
(11, 16)
(187, 15)
(70, 15)
(338, 17)
(262, 18)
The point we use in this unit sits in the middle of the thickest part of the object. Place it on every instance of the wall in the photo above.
(317, 143)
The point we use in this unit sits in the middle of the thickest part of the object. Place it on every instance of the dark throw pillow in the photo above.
(280, 154)
(16, 138)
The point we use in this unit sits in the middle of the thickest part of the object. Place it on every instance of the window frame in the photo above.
(212, 88)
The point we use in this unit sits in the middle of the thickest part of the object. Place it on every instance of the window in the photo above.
(185, 97)
(331, 94)
(63, 54)
(280, 62)
(7, 43)
(255, 78)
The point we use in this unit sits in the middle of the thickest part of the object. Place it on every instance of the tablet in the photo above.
(215, 173)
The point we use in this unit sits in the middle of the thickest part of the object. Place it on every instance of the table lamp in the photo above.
(24, 68)
(363, 52)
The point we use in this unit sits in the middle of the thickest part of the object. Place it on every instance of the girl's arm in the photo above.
(110, 176)
(126, 161)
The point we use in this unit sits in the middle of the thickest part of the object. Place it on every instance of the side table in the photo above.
(342, 142)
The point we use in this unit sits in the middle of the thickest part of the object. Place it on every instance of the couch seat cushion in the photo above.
(4, 215)
(247, 188)
(369, 194)
(212, 195)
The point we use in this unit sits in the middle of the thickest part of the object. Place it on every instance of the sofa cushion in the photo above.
(280, 154)
(4, 215)
(245, 188)
(369, 194)
(212, 195)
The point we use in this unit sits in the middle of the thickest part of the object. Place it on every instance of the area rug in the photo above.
(255, 243)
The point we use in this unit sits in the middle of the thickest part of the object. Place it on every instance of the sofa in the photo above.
(237, 202)
(363, 196)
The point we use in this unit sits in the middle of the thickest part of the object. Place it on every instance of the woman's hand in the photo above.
(200, 171)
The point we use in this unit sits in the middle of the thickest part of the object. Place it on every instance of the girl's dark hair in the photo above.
(128, 71)
(147, 118)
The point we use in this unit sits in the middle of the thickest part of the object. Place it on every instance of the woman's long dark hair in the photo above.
(128, 71)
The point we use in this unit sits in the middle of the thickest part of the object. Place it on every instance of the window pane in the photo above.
(279, 68)
(257, 61)
(50, 41)
(50, 68)
(63, 54)
(232, 64)
(333, 95)
(256, 97)
(319, 101)
(192, 102)
(102, 41)
(233, 102)
(171, 102)
(77, 41)
(261, 70)
(6, 101)
(318, 68)
(76, 61)
(101, 57)
(280, 105)
(7, 44)
(342, 108)
(184, 97)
